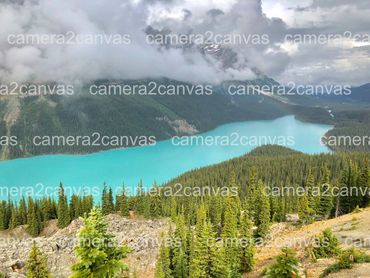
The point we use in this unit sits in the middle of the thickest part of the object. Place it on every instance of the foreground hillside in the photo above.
(142, 236)
(352, 230)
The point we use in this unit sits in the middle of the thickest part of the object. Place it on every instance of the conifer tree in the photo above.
(247, 250)
(216, 209)
(36, 264)
(304, 211)
(146, 206)
(286, 265)
(325, 205)
(75, 207)
(48, 207)
(124, 209)
(22, 211)
(63, 210)
(230, 237)
(155, 203)
(8, 212)
(252, 189)
(173, 208)
(364, 183)
(34, 221)
(200, 256)
(97, 251)
(87, 204)
(206, 259)
(262, 211)
(110, 200)
(218, 263)
(163, 268)
(312, 191)
(15, 221)
(180, 249)
(106, 206)
(140, 202)
(3, 216)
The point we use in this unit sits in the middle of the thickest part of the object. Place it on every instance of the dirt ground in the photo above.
(351, 229)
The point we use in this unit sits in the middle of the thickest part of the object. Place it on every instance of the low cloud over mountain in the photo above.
(239, 39)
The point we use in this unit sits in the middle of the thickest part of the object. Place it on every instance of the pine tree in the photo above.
(304, 211)
(216, 209)
(105, 201)
(218, 262)
(3, 216)
(286, 265)
(34, 222)
(124, 209)
(262, 211)
(87, 204)
(163, 268)
(97, 251)
(49, 210)
(364, 183)
(15, 221)
(63, 210)
(146, 207)
(36, 264)
(75, 207)
(180, 249)
(22, 211)
(252, 189)
(8, 212)
(156, 203)
(110, 200)
(325, 245)
(325, 205)
(207, 259)
(312, 190)
(247, 250)
(230, 237)
(173, 208)
(141, 201)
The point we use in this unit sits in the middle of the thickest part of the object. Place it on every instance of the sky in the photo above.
(343, 60)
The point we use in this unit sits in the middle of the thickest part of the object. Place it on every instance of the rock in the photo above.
(17, 266)
(294, 217)
(142, 236)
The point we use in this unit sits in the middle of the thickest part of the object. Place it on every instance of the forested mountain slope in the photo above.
(156, 115)
(285, 173)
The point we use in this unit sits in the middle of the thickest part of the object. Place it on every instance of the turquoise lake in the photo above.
(40, 176)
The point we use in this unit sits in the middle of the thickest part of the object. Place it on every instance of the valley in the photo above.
(184, 139)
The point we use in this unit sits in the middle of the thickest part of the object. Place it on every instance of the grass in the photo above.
(346, 260)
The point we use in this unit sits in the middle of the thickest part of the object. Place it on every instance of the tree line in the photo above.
(329, 185)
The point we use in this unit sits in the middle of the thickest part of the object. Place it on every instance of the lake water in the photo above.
(40, 176)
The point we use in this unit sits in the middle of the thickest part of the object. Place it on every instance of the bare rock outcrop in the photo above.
(142, 237)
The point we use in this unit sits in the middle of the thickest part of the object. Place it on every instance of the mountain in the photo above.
(361, 94)
(349, 95)
(134, 115)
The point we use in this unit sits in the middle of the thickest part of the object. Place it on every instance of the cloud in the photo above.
(344, 62)
(86, 62)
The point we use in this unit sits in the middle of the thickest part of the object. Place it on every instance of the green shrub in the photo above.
(97, 251)
(346, 260)
(325, 245)
(36, 263)
(286, 265)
